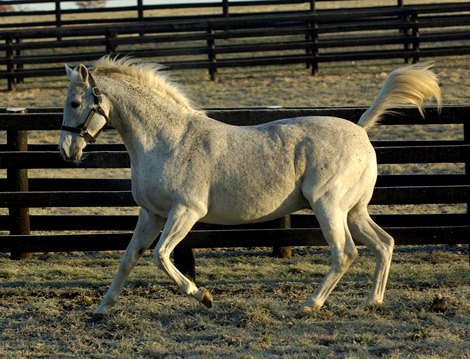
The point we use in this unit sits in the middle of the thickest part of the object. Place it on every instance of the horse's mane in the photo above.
(146, 73)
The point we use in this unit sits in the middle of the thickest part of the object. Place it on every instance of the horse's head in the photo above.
(84, 115)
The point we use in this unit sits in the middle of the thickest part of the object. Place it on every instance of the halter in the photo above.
(82, 129)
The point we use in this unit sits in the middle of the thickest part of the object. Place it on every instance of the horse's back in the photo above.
(322, 142)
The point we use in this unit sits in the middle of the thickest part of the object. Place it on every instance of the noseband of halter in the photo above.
(82, 129)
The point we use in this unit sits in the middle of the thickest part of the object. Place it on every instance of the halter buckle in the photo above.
(97, 94)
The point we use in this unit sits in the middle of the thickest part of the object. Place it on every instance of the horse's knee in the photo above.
(350, 255)
(343, 260)
(386, 250)
(389, 243)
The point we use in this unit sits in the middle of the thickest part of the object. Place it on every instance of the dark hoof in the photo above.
(98, 318)
(303, 312)
(206, 298)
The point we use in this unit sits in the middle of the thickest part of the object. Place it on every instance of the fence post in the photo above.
(10, 64)
(58, 17)
(140, 10)
(312, 39)
(283, 252)
(225, 13)
(225, 10)
(17, 178)
(183, 258)
(19, 67)
(211, 53)
(405, 30)
(466, 138)
(414, 18)
(110, 46)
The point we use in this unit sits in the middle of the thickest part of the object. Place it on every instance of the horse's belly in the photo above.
(238, 208)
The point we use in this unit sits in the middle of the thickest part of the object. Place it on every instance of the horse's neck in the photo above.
(142, 119)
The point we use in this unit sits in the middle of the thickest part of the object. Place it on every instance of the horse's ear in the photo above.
(84, 73)
(68, 71)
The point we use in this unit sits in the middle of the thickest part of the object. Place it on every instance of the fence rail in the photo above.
(20, 192)
(310, 36)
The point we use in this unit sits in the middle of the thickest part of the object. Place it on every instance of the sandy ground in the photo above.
(337, 84)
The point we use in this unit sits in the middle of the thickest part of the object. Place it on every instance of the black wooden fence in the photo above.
(59, 13)
(310, 36)
(50, 232)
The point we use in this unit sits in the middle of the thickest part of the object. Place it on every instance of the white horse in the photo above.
(187, 167)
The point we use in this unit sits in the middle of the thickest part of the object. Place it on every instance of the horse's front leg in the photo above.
(146, 231)
(180, 221)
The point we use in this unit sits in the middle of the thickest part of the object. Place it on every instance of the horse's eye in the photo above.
(75, 104)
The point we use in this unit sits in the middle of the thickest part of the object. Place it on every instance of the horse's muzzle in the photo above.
(71, 149)
(73, 158)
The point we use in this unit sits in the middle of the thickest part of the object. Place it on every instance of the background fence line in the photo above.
(310, 36)
(214, 9)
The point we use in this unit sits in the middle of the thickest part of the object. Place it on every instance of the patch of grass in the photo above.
(48, 315)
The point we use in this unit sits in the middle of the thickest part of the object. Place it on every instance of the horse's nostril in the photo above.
(75, 157)
(67, 158)
(70, 157)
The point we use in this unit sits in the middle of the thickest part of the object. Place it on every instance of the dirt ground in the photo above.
(45, 303)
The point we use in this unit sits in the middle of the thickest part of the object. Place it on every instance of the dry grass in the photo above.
(45, 305)
(337, 84)
(45, 302)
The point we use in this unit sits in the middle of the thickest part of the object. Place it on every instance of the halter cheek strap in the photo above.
(82, 129)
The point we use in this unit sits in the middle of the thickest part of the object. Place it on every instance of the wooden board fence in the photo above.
(89, 232)
(309, 37)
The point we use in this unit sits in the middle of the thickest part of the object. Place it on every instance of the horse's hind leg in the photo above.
(146, 231)
(366, 231)
(343, 250)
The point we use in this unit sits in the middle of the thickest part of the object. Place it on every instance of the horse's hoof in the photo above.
(371, 302)
(206, 298)
(371, 305)
(98, 317)
(303, 312)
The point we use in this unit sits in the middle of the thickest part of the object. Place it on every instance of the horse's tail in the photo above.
(409, 85)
